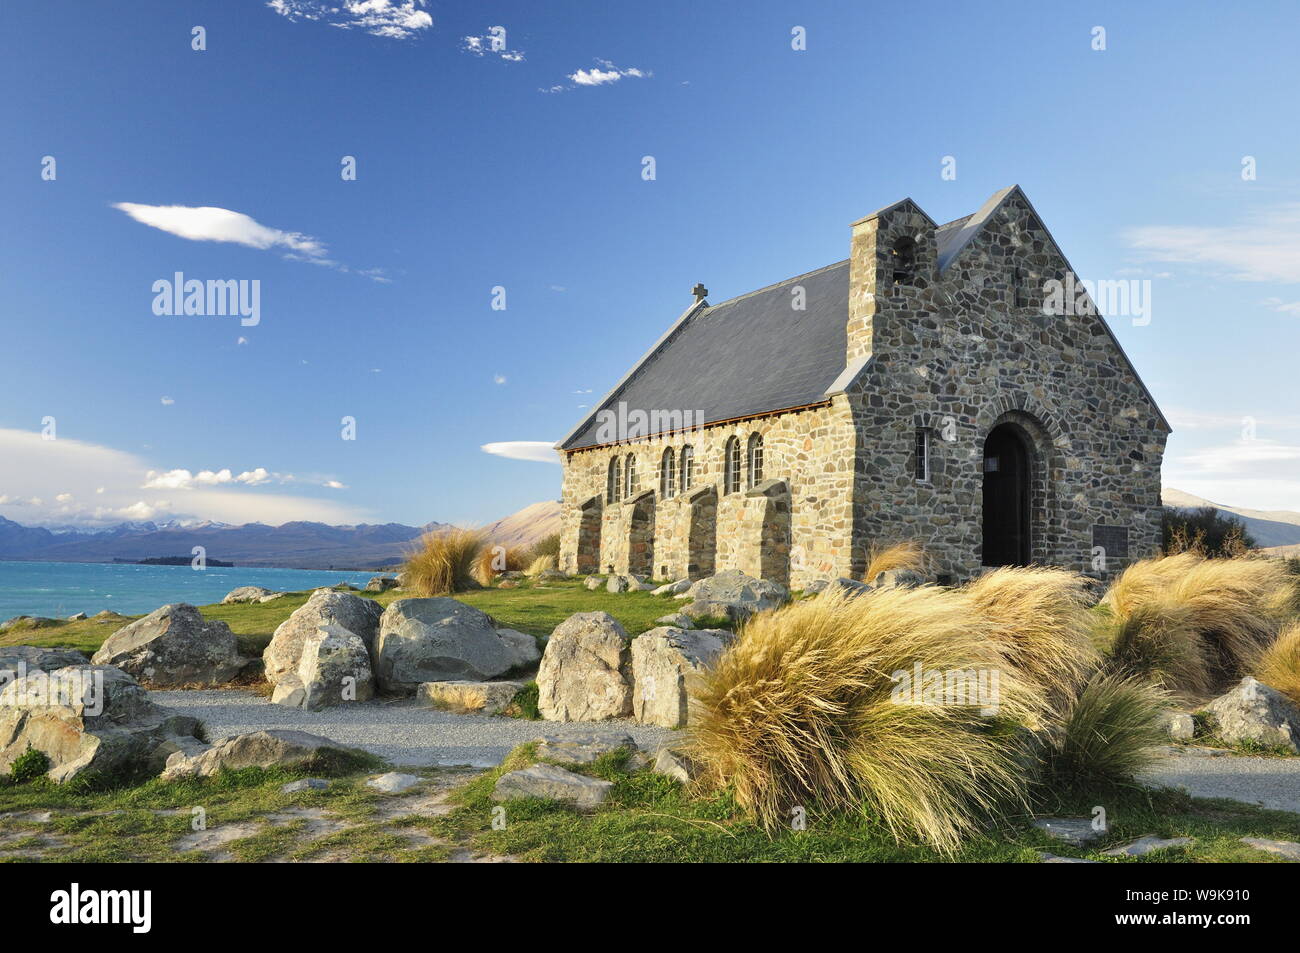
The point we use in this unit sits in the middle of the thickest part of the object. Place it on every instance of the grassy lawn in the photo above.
(533, 610)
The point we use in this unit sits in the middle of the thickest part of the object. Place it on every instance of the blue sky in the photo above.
(477, 170)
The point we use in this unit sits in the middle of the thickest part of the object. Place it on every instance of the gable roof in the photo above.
(755, 355)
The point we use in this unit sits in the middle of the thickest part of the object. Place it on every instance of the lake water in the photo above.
(59, 590)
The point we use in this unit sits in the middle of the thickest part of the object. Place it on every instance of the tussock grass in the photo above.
(803, 711)
(905, 555)
(1195, 624)
(1279, 665)
(443, 563)
(541, 564)
(494, 558)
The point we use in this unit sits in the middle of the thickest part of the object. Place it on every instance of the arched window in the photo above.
(755, 454)
(612, 482)
(903, 256)
(667, 474)
(630, 483)
(687, 467)
(731, 466)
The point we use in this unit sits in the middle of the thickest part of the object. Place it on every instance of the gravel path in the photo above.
(396, 729)
(1268, 782)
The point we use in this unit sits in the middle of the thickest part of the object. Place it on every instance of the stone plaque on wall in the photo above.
(1112, 539)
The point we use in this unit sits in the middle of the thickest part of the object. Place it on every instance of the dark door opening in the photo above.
(1006, 498)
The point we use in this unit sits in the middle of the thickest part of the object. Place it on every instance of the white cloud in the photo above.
(206, 223)
(1264, 247)
(603, 74)
(1252, 472)
(491, 43)
(1283, 307)
(31, 469)
(498, 378)
(538, 451)
(394, 19)
(167, 401)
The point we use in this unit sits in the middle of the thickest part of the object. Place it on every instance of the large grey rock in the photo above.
(1078, 831)
(250, 594)
(355, 614)
(624, 583)
(675, 764)
(849, 587)
(1147, 844)
(553, 783)
(1179, 725)
(665, 664)
(898, 579)
(678, 620)
(274, 748)
(523, 645)
(439, 640)
(174, 646)
(586, 670)
(89, 720)
(333, 668)
(77, 617)
(381, 583)
(17, 660)
(1283, 848)
(594, 582)
(583, 748)
(394, 782)
(672, 588)
(484, 698)
(742, 593)
(1254, 712)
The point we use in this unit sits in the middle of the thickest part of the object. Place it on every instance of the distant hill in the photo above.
(296, 545)
(1270, 528)
(527, 527)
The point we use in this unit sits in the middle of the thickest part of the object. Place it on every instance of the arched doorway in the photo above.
(1007, 467)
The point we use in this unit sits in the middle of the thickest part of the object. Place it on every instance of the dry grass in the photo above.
(495, 559)
(803, 711)
(443, 563)
(1279, 665)
(904, 555)
(1195, 624)
(541, 564)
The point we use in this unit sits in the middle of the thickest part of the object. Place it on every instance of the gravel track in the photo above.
(396, 729)
(1267, 782)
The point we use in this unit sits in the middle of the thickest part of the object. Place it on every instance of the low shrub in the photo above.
(443, 563)
(494, 559)
(29, 766)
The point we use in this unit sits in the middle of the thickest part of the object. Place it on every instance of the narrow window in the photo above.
(922, 455)
(755, 459)
(668, 474)
(903, 256)
(1018, 299)
(630, 482)
(687, 467)
(612, 482)
(731, 466)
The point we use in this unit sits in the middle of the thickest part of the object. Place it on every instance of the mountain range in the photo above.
(1277, 531)
(296, 545)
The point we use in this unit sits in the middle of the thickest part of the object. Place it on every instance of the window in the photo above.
(755, 455)
(1018, 298)
(612, 482)
(731, 466)
(903, 256)
(922, 455)
(630, 483)
(668, 474)
(687, 467)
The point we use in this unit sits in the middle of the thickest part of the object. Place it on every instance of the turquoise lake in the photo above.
(59, 590)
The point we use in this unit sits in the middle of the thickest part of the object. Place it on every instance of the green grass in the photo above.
(536, 611)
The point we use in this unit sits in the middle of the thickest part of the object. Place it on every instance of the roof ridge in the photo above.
(777, 284)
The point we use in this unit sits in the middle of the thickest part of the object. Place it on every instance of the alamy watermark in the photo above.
(944, 688)
(621, 425)
(1116, 297)
(179, 295)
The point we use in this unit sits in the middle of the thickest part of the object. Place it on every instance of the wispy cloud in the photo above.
(1263, 247)
(538, 451)
(394, 19)
(602, 74)
(206, 223)
(491, 43)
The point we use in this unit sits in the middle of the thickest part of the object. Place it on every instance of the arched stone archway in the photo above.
(588, 549)
(641, 535)
(1007, 518)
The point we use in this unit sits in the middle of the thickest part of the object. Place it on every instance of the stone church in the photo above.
(932, 387)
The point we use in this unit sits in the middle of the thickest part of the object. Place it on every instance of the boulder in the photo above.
(594, 582)
(665, 661)
(523, 645)
(333, 668)
(381, 584)
(678, 620)
(672, 588)
(394, 782)
(736, 589)
(440, 640)
(1145, 845)
(850, 587)
(674, 764)
(618, 584)
(1254, 712)
(551, 575)
(356, 614)
(583, 748)
(898, 579)
(107, 614)
(274, 748)
(17, 660)
(733, 611)
(553, 783)
(481, 698)
(90, 720)
(27, 622)
(248, 594)
(1179, 725)
(1078, 831)
(77, 617)
(305, 784)
(174, 646)
(586, 670)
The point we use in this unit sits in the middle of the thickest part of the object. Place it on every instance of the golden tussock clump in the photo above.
(443, 563)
